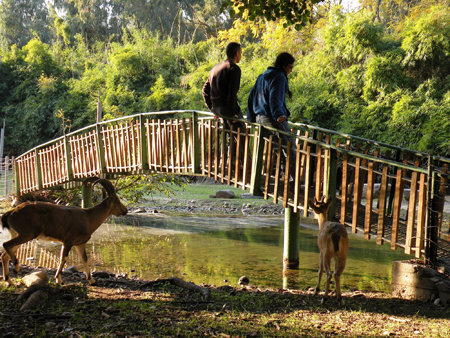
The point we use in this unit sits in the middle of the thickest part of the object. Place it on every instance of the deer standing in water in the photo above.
(333, 243)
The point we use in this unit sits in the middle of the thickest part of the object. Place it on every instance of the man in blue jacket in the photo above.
(267, 102)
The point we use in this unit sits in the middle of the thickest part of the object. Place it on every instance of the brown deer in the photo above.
(72, 226)
(333, 243)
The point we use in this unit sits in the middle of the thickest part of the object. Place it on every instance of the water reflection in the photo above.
(218, 251)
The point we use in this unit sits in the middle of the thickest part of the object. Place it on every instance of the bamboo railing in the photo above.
(392, 194)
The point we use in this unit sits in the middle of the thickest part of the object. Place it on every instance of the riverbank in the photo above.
(123, 306)
(118, 306)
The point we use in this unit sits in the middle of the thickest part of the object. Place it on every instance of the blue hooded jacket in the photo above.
(267, 96)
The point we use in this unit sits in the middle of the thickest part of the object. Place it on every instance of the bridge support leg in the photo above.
(291, 239)
(86, 194)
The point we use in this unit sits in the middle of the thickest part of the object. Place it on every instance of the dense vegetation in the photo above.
(381, 72)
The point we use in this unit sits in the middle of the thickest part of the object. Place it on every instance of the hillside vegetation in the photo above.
(381, 73)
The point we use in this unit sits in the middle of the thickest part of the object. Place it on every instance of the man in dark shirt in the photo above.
(220, 95)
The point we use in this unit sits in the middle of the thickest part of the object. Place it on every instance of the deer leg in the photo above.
(65, 249)
(11, 247)
(338, 270)
(319, 277)
(82, 253)
(329, 276)
(6, 257)
(5, 262)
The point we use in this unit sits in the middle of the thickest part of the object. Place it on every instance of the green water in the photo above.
(217, 251)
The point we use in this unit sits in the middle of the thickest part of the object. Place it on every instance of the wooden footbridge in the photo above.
(392, 194)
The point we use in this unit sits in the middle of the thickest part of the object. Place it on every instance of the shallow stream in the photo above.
(218, 250)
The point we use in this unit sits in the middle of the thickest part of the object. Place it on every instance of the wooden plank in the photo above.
(178, 143)
(326, 168)
(165, 140)
(277, 173)
(216, 150)
(421, 213)
(357, 196)
(160, 146)
(307, 178)
(267, 155)
(229, 158)
(297, 183)
(172, 150)
(318, 172)
(210, 154)
(79, 143)
(286, 177)
(135, 145)
(237, 158)
(117, 150)
(223, 147)
(442, 187)
(204, 149)
(246, 170)
(185, 155)
(363, 174)
(382, 200)
(344, 185)
(305, 147)
(369, 202)
(121, 149)
(109, 137)
(411, 212)
(151, 144)
(397, 208)
(127, 147)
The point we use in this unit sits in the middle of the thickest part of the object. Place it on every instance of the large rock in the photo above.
(223, 194)
(416, 282)
(34, 278)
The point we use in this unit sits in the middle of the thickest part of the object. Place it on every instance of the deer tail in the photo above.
(335, 237)
(5, 220)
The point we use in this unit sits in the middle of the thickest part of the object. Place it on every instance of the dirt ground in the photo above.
(118, 306)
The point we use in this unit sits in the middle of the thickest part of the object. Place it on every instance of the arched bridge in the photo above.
(393, 194)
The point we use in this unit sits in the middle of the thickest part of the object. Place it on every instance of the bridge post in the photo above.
(332, 182)
(291, 239)
(257, 162)
(68, 158)
(38, 170)
(101, 148)
(195, 144)
(432, 214)
(143, 144)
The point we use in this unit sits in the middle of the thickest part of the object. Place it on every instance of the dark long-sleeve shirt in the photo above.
(222, 86)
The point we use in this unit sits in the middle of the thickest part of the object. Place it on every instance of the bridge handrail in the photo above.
(298, 125)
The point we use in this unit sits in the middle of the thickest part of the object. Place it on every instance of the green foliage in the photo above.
(294, 12)
(352, 38)
(384, 75)
(426, 42)
(353, 72)
(134, 188)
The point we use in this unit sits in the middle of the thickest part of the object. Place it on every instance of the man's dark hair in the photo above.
(232, 49)
(283, 60)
